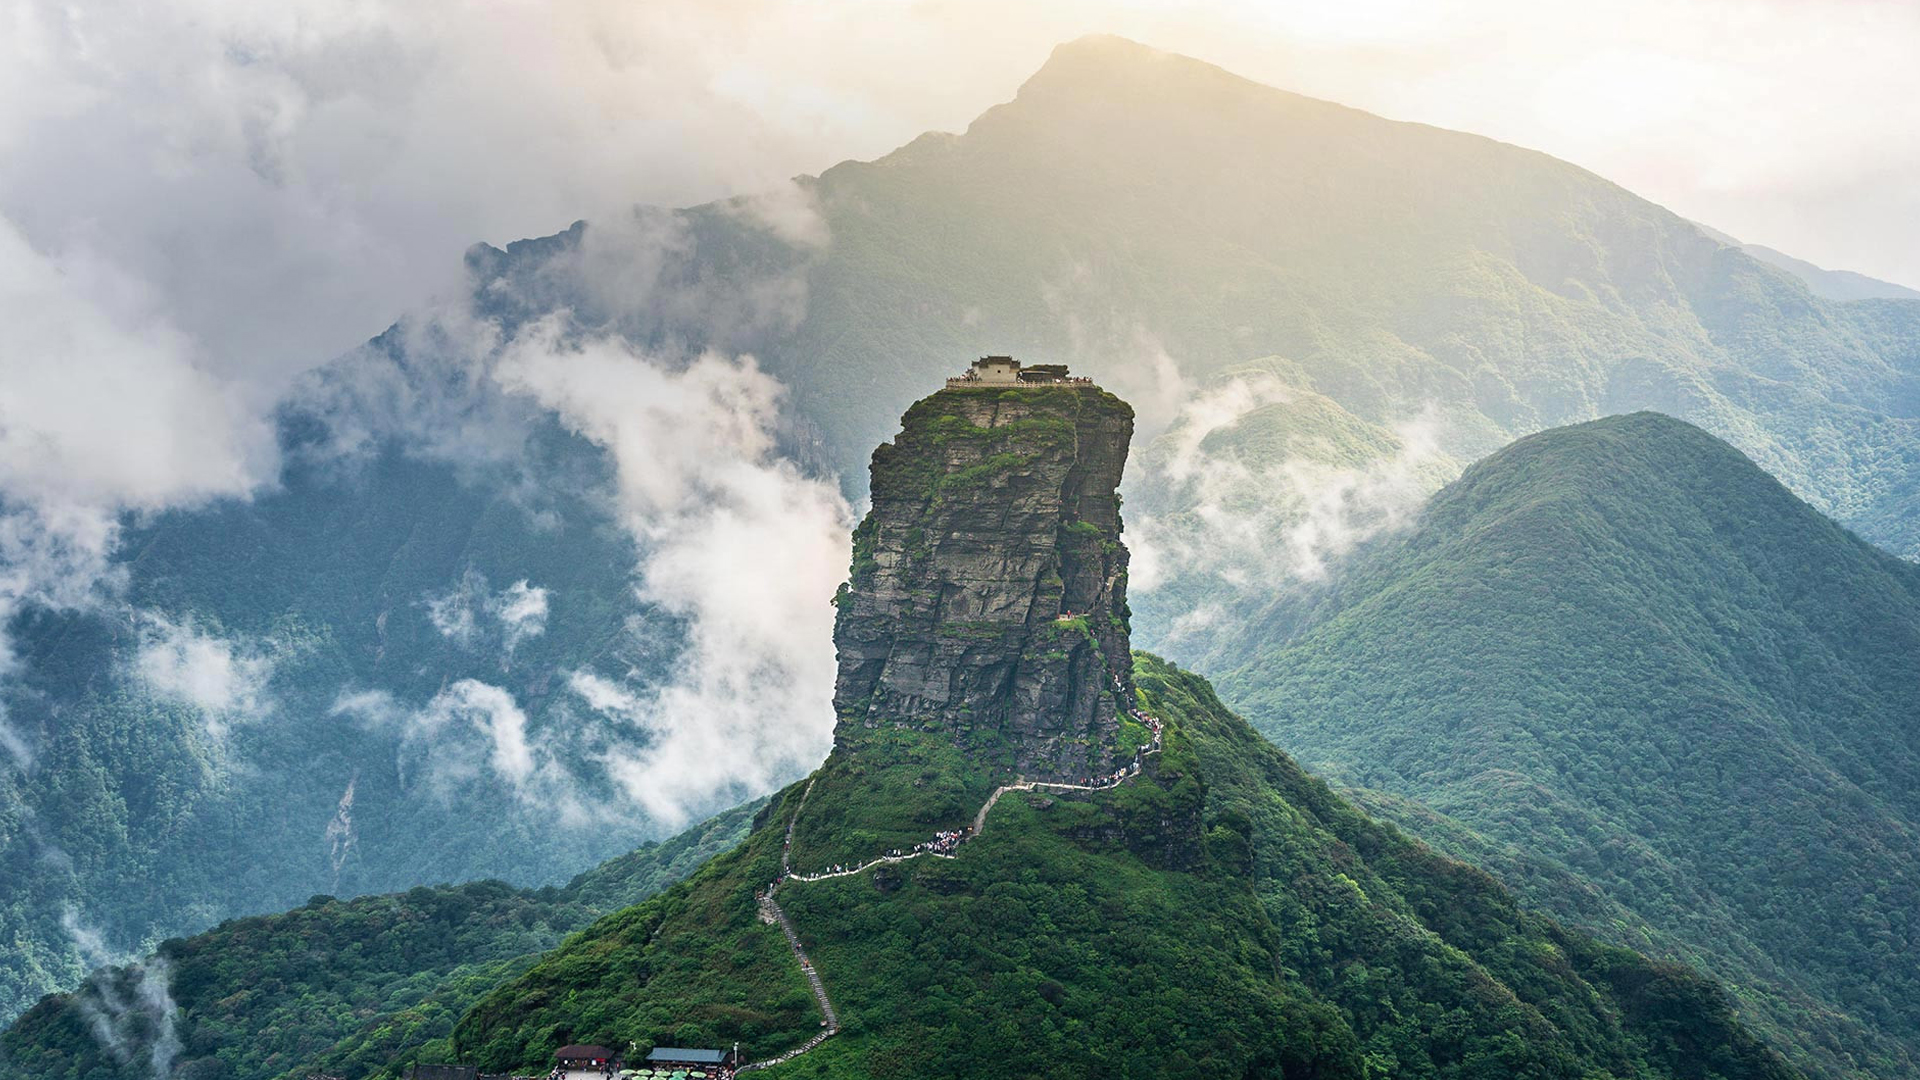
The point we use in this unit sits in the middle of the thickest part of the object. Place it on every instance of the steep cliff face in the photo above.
(988, 594)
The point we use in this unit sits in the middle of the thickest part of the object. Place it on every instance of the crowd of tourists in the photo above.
(1111, 779)
(1119, 776)
(1153, 724)
(619, 1071)
(945, 842)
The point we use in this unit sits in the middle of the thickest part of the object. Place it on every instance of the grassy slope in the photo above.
(1228, 916)
(343, 986)
(1624, 668)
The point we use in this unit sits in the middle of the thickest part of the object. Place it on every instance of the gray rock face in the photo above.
(988, 594)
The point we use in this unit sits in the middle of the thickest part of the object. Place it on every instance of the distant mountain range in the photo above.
(1628, 671)
(1147, 218)
(1831, 284)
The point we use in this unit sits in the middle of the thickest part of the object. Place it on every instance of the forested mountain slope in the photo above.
(1164, 221)
(337, 987)
(1224, 915)
(345, 617)
(948, 894)
(1627, 669)
(1832, 284)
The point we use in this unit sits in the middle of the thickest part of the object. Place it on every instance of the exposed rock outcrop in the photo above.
(988, 593)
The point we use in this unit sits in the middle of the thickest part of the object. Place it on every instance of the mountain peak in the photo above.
(1106, 65)
(982, 635)
(1636, 463)
(1624, 636)
(1108, 50)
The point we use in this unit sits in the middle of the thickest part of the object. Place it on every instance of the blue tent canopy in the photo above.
(679, 1055)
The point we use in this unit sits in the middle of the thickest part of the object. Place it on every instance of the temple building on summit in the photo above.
(1006, 371)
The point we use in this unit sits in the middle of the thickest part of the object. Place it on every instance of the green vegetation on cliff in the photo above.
(1625, 669)
(1224, 915)
(892, 788)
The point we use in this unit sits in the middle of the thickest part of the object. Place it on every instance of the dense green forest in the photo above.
(340, 987)
(1227, 915)
(1629, 672)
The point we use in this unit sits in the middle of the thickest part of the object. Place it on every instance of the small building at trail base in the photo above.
(583, 1056)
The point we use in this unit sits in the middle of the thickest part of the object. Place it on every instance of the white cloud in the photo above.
(201, 200)
(129, 1009)
(211, 160)
(733, 539)
(372, 707)
(452, 614)
(105, 403)
(1343, 506)
(104, 408)
(493, 713)
(233, 156)
(734, 542)
(469, 614)
(470, 731)
(522, 611)
(225, 681)
(1254, 524)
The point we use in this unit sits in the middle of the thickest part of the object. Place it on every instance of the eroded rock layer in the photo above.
(988, 593)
